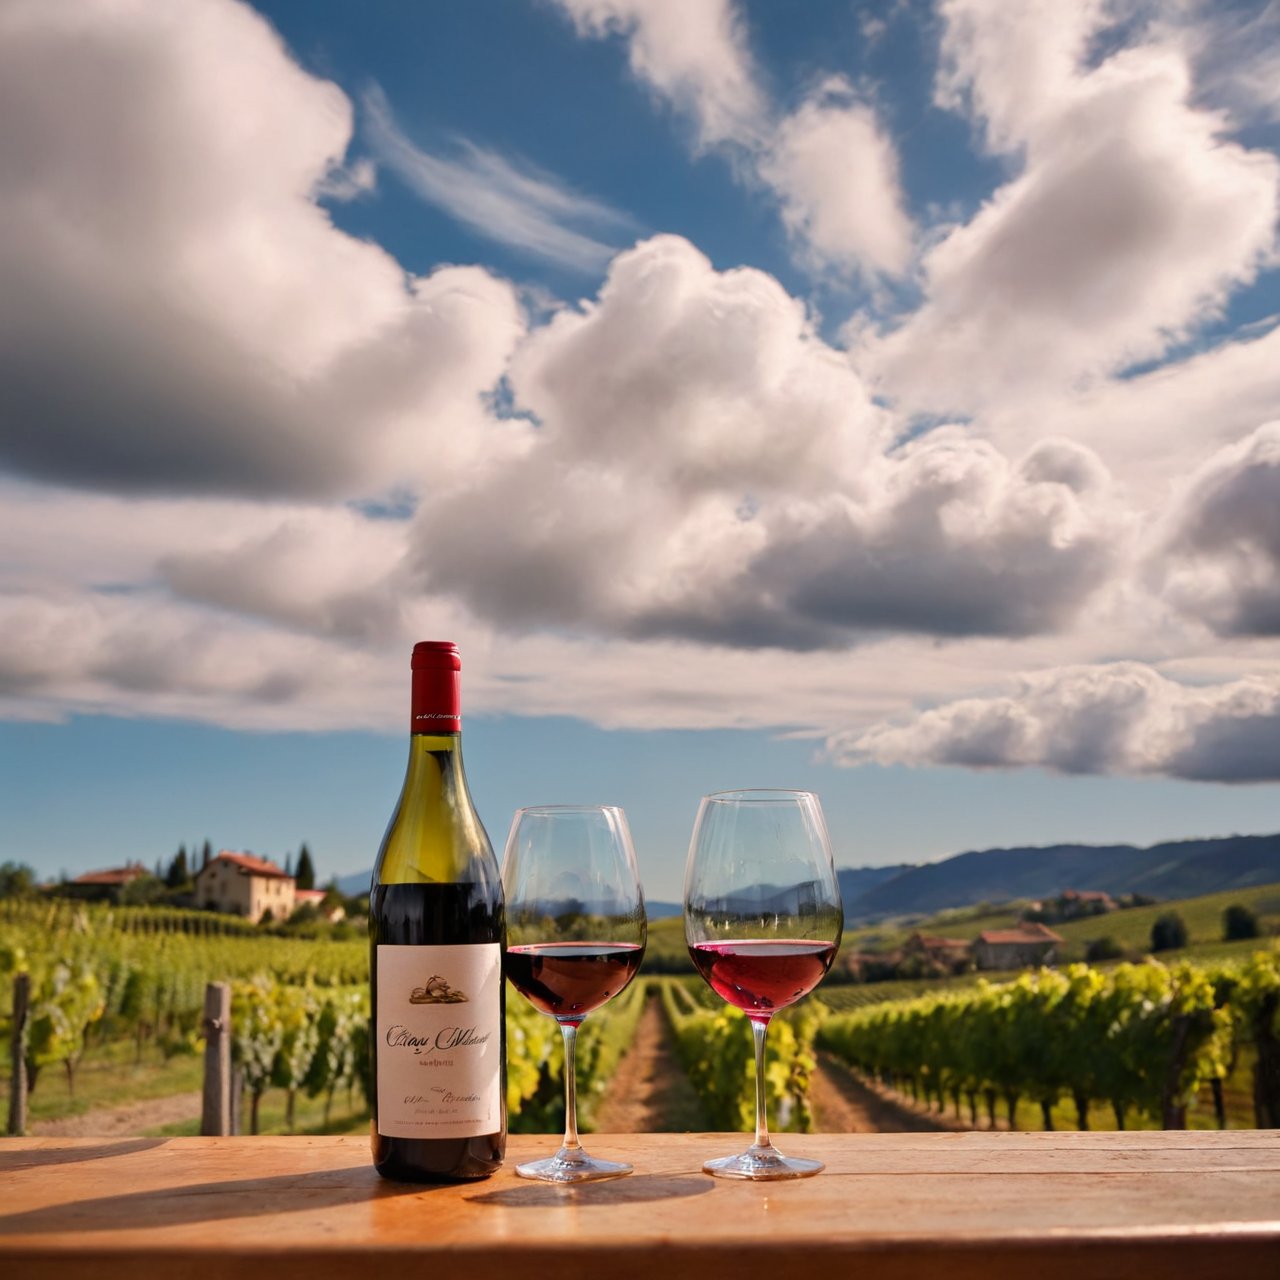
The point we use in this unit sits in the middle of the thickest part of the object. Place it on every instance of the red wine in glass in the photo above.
(762, 975)
(569, 979)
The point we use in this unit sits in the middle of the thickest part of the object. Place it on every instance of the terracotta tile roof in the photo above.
(309, 895)
(113, 875)
(249, 864)
(930, 940)
(1023, 934)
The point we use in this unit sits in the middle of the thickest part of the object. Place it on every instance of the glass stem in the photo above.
(759, 1029)
(569, 1030)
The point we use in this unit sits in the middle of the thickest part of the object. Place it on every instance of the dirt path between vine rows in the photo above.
(130, 1121)
(650, 1092)
(843, 1103)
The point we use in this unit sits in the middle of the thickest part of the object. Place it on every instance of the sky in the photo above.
(875, 398)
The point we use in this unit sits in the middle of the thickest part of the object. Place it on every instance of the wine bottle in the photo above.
(436, 935)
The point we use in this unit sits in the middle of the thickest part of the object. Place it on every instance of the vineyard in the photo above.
(1134, 1045)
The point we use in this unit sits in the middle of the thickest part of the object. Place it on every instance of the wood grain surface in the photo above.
(890, 1206)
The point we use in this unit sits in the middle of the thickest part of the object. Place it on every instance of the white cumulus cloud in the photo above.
(1119, 718)
(176, 309)
(1131, 220)
(830, 163)
(706, 467)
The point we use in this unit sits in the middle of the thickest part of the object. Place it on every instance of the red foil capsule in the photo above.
(434, 705)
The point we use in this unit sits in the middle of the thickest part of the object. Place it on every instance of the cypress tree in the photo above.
(178, 871)
(306, 876)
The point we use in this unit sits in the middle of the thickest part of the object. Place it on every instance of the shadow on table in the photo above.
(211, 1201)
(48, 1156)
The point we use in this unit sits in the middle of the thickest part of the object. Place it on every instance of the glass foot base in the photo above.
(763, 1164)
(571, 1166)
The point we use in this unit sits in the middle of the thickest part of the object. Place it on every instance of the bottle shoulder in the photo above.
(435, 835)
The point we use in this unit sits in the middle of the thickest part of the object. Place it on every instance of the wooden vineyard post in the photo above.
(18, 1077)
(237, 1099)
(215, 1112)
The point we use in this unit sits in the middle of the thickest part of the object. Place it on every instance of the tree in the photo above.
(1104, 948)
(178, 872)
(17, 880)
(332, 896)
(1169, 933)
(306, 876)
(205, 854)
(143, 891)
(1239, 922)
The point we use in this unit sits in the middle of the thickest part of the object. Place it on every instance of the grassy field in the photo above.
(666, 951)
(959, 922)
(111, 1075)
(1130, 927)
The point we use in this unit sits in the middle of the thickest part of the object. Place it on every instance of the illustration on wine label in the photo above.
(437, 991)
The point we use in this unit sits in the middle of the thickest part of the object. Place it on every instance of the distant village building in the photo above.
(1085, 902)
(949, 953)
(1028, 944)
(315, 898)
(104, 886)
(245, 885)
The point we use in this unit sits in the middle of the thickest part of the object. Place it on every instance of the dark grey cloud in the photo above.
(1219, 560)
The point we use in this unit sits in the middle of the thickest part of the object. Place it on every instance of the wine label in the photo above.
(439, 1048)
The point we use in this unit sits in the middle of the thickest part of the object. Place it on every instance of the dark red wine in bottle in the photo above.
(436, 935)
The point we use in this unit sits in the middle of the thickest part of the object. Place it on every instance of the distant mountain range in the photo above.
(1178, 869)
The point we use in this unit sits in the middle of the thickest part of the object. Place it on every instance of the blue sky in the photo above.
(880, 398)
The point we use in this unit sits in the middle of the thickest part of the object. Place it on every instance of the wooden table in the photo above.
(890, 1206)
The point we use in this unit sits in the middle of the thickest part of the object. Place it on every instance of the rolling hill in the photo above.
(1177, 869)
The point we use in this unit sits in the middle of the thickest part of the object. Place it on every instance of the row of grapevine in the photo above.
(1140, 1038)
(298, 1038)
(716, 1049)
(535, 1060)
(97, 976)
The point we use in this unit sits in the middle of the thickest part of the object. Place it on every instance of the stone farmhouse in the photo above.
(245, 885)
(1028, 944)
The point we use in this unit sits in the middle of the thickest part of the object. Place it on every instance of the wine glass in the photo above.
(763, 918)
(576, 934)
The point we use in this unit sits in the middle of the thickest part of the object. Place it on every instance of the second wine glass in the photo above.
(576, 934)
(763, 919)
